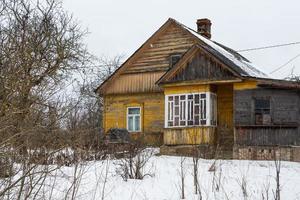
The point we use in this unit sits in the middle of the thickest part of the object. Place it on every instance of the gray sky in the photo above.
(120, 27)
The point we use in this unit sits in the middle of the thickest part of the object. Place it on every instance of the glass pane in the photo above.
(197, 110)
(203, 96)
(176, 121)
(133, 110)
(130, 123)
(176, 110)
(176, 100)
(170, 111)
(262, 104)
(137, 123)
(204, 110)
(190, 110)
(196, 121)
(182, 97)
(190, 96)
(182, 110)
(196, 98)
(171, 98)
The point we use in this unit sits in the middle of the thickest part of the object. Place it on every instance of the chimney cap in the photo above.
(204, 27)
(204, 20)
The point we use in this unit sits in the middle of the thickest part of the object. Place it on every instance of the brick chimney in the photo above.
(204, 27)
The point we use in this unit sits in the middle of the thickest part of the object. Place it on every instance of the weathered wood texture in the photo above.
(189, 135)
(152, 107)
(285, 117)
(225, 105)
(151, 63)
(225, 114)
(186, 89)
(156, 57)
(284, 105)
(267, 136)
(135, 83)
(201, 67)
(245, 85)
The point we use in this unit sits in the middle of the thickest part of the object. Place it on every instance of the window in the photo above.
(174, 59)
(134, 119)
(262, 111)
(196, 109)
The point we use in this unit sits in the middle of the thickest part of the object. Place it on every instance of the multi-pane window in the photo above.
(134, 119)
(262, 111)
(191, 109)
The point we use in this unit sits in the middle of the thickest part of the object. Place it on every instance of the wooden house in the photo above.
(181, 89)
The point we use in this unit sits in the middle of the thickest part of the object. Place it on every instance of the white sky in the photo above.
(120, 27)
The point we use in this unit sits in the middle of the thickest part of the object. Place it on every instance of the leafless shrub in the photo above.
(133, 165)
(277, 163)
(265, 191)
(244, 187)
(182, 175)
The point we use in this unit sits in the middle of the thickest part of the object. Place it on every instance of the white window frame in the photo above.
(208, 116)
(134, 115)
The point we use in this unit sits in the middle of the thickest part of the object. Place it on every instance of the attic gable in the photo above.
(201, 67)
(153, 56)
(198, 64)
(156, 56)
(149, 60)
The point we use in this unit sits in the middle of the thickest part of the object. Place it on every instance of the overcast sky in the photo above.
(120, 27)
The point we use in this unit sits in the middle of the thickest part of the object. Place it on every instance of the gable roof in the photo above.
(187, 57)
(229, 57)
(134, 56)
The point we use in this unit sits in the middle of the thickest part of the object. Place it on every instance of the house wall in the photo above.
(188, 135)
(183, 89)
(152, 116)
(285, 116)
(151, 62)
(225, 114)
(202, 67)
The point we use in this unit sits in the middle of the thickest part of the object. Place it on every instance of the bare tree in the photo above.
(277, 162)
(135, 160)
(40, 48)
(182, 175)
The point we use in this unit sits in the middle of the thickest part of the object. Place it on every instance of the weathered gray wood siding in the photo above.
(203, 68)
(285, 114)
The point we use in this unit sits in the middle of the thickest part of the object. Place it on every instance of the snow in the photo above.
(165, 182)
(249, 69)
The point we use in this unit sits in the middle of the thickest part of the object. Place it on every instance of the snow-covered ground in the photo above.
(257, 176)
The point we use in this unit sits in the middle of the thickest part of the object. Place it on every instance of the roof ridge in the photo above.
(236, 59)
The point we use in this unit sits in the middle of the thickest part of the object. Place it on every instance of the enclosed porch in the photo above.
(199, 115)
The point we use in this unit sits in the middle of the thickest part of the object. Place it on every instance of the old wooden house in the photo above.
(181, 89)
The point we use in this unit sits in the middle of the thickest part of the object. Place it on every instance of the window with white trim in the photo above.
(196, 109)
(134, 119)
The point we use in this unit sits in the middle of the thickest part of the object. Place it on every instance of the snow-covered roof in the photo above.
(239, 63)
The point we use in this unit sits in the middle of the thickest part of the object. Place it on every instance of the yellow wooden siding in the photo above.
(152, 104)
(245, 85)
(156, 56)
(186, 89)
(150, 64)
(189, 135)
(225, 106)
(135, 83)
